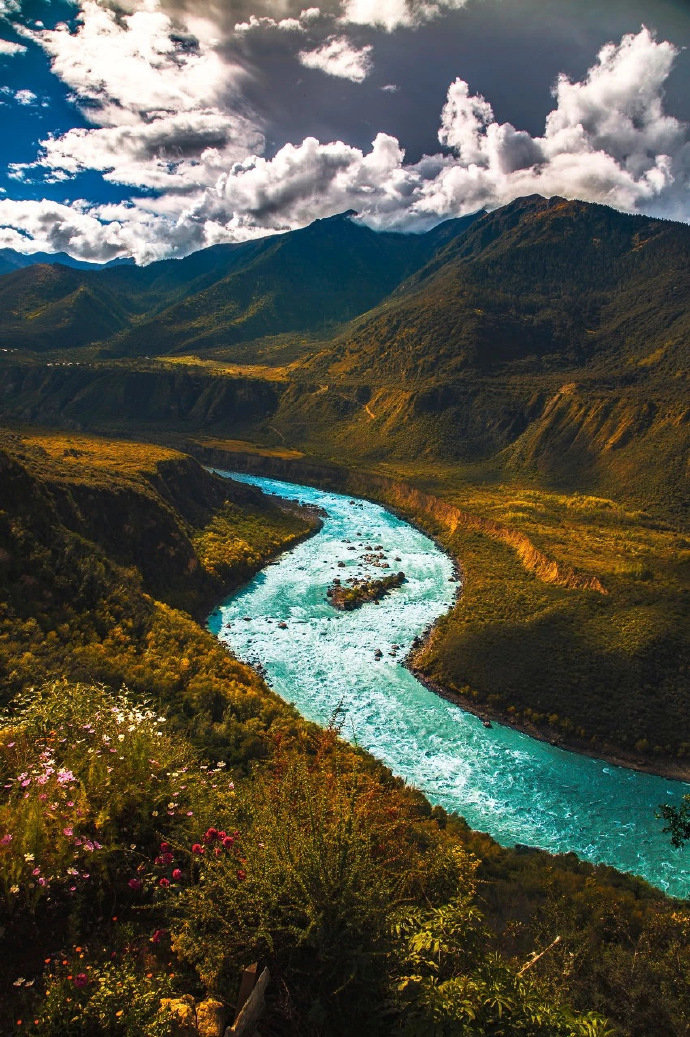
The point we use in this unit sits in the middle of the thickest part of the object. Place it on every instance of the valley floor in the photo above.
(572, 621)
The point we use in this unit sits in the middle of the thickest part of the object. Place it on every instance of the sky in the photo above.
(153, 128)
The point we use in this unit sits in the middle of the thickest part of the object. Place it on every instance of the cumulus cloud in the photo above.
(178, 153)
(165, 104)
(120, 66)
(32, 225)
(395, 14)
(339, 57)
(300, 24)
(608, 139)
(9, 49)
(644, 167)
(25, 97)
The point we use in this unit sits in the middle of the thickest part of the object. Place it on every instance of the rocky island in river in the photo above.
(348, 597)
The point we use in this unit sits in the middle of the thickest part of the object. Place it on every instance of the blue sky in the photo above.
(156, 127)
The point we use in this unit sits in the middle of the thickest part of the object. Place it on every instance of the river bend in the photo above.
(503, 782)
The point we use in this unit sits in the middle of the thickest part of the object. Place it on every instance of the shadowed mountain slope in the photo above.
(547, 339)
(304, 280)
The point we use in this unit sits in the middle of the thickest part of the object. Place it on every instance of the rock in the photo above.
(210, 1018)
(183, 1015)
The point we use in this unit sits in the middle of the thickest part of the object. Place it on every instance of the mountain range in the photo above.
(548, 337)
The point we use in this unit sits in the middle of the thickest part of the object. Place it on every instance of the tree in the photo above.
(677, 821)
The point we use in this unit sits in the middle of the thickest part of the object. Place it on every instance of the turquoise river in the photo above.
(518, 789)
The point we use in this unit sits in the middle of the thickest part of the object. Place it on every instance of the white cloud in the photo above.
(10, 50)
(646, 167)
(164, 102)
(172, 152)
(25, 97)
(386, 14)
(37, 225)
(395, 14)
(338, 57)
(122, 66)
(298, 24)
(608, 139)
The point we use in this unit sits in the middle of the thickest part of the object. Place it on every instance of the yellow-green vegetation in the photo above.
(94, 563)
(311, 866)
(155, 841)
(220, 367)
(238, 539)
(619, 661)
(82, 456)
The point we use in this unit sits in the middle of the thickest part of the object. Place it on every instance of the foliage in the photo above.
(233, 545)
(91, 781)
(346, 883)
(119, 996)
(451, 986)
(677, 821)
(308, 889)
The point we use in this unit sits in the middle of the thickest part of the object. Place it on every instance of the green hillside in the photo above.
(367, 905)
(305, 280)
(530, 370)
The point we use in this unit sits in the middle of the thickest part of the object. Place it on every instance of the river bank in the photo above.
(441, 523)
(515, 788)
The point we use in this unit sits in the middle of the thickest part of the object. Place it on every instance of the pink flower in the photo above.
(81, 980)
(166, 847)
(197, 848)
(210, 835)
(135, 884)
(157, 936)
(228, 841)
(164, 882)
(241, 875)
(177, 874)
(6, 839)
(68, 831)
